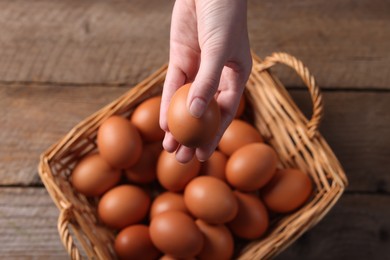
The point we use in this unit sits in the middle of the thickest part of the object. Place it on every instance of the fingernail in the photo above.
(202, 160)
(183, 154)
(197, 107)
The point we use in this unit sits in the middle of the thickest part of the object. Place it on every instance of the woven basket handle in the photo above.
(66, 238)
(308, 79)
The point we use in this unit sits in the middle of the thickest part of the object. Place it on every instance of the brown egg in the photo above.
(168, 201)
(251, 167)
(218, 242)
(288, 190)
(93, 176)
(146, 118)
(174, 175)
(123, 206)
(176, 234)
(188, 130)
(241, 106)
(211, 200)
(133, 242)
(144, 170)
(238, 134)
(215, 166)
(252, 220)
(119, 142)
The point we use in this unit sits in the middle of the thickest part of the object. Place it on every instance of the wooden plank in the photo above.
(28, 225)
(82, 42)
(33, 118)
(344, 43)
(356, 228)
(356, 125)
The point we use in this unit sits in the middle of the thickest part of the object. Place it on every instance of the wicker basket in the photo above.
(295, 139)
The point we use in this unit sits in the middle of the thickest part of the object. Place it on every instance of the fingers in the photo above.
(184, 154)
(205, 84)
(183, 55)
(204, 39)
(232, 86)
(169, 143)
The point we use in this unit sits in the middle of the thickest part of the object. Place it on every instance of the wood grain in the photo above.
(35, 117)
(358, 227)
(62, 60)
(82, 42)
(28, 225)
(345, 43)
(28, 220)
(356, 125)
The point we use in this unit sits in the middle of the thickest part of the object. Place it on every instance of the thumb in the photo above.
(205, 85)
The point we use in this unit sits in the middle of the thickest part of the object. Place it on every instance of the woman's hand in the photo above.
(209, 46)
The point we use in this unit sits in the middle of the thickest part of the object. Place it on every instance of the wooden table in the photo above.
(62, 60)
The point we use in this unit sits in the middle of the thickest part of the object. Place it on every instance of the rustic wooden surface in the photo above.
(60, 61)
(119, 42)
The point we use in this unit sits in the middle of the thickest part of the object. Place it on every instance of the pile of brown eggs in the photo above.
(163, 209)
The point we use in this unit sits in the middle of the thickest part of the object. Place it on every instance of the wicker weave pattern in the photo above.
(296, 140)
